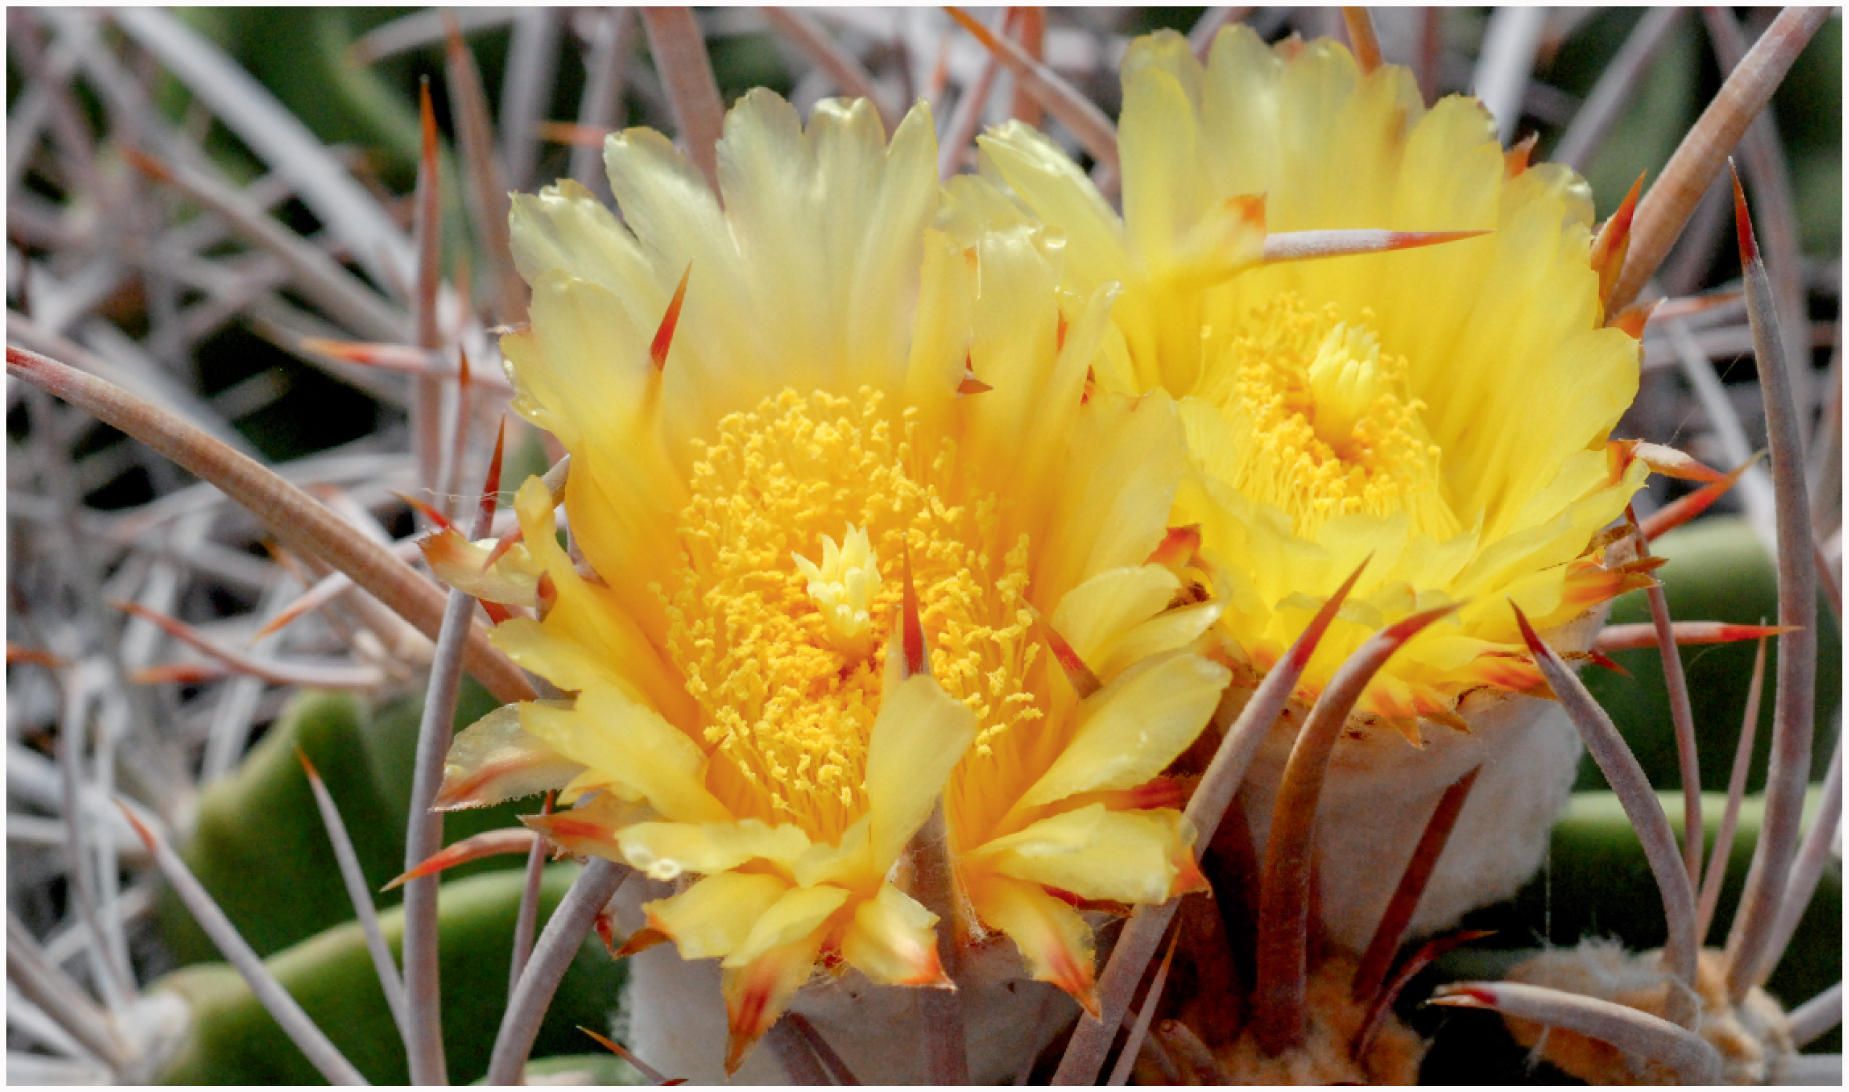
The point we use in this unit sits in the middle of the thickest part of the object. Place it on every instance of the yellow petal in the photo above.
(757, 994)
(566, 664)
(565, 228)
(582, 365)
(1019, 426)
(676, 220)
(1166, 632)
(1133, 857)
(891, 941)
(494, 759)
(1054, 187)
(712, 918)
(512, 579)
(1122, 469)
(1094, 616)
(1164, 192)
(1134, 727)
(630, 745)
(1050, 934)
(940, 333)
(589, 828)
(665, 850)
(848, 862)
(590, 636)
(1239, 107)
(800, 913)
(918, 739)
(829, 223)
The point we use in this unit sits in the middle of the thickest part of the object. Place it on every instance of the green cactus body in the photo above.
(232, 1040)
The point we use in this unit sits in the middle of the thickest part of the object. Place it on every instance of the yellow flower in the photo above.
(759, 486)
(1442, 413)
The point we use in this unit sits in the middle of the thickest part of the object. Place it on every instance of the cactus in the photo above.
(244, 239)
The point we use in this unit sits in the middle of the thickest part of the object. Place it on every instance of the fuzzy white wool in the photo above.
(678, 1025)
(1381, 791)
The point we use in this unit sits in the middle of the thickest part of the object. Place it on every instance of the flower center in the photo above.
(843, 588)
(784, 655)
(1322, 420)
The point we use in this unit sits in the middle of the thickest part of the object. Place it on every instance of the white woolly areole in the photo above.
(1381, 790)
(678, 1025)
(1751, 1037)
(159, 1026)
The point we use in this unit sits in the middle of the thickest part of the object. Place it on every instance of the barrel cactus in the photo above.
(881, 572)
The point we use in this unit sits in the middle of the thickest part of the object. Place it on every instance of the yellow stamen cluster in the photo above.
(1322, 419)
(785, 657)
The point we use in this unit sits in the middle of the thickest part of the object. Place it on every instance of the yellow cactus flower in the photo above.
(765, 488)
(1442, 413)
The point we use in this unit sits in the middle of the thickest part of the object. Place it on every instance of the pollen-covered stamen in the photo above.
(787, 695)
(1323, 421)
(844, 588)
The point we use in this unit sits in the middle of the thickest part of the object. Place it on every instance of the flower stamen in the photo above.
(785, 655)
(1324, 421)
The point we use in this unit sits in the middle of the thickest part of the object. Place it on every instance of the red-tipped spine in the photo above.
(489, 843)
(912, 642)
(436, 519)
(1680, 511)
(1371, 975)
(1743, 220)
(491, 488)
(1614, 242)
(1083, 678)
(664, 334)
(1284, 898)
(649, 1072)
(1300, 653)
(1643, 635)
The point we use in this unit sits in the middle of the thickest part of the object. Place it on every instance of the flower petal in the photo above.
(1123, 467)
(1060, 193)
(513, 579)
(494, 759)
(1166, 632)
(564, 227)
(1133, 857)
(665, 850)
(1094, 616)
(848, 861)
(1164, 193)
(892, 942)
(757, 994)
(918, 739)
(712, 918)
(1134, 727)
(589, 828)
(1051, 935)
(800, 913)
(629, 745)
